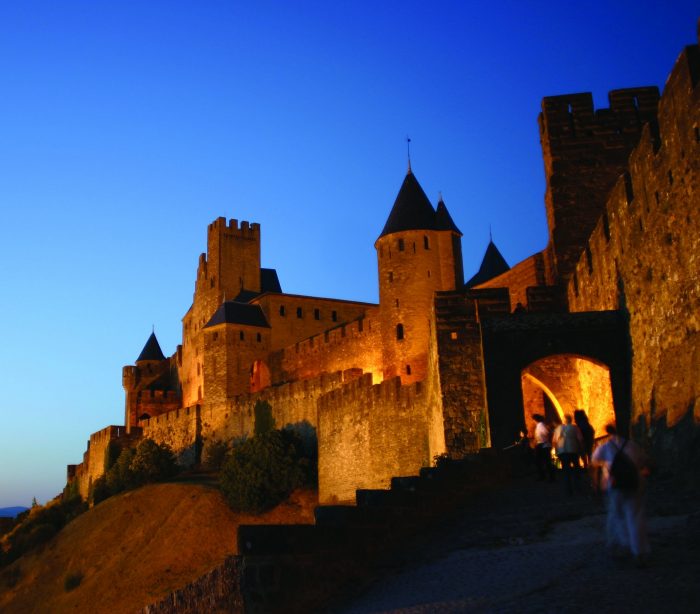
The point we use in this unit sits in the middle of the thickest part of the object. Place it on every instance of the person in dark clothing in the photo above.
(588, 434)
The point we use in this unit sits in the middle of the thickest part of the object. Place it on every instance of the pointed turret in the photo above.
(443, 219)
(151, 351)
(412, 209)
(492, 265)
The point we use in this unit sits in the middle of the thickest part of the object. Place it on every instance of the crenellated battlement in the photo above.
(364, 390)
(245, 230)
(572, 117)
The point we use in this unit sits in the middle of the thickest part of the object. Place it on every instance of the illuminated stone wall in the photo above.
(644, 254)
(355, 345)
(180, 429)
(369, 434)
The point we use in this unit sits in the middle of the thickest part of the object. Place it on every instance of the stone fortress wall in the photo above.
(644, 254)
(623, 235)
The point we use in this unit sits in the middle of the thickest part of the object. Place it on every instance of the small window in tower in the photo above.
(334, 316)
(300, 313)
(391, 276)
(426, 242)
(259, 337)
(317, 314)
(453, 336)
(211, 282)
(399, 332)
(670, 177)
(408, 369)
(697, 134)
(241, 334)
(428, 273)
(397, 302)
(282, 311)
(216, 336)
(401, 245)
(414, 247)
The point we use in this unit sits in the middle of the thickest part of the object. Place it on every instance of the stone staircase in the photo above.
(304, 568)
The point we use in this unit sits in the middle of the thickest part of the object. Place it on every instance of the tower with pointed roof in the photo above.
(418, 253)
(151, 385)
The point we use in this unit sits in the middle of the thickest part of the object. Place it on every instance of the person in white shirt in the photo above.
(626, 523)
(543, 449)
(568, 442)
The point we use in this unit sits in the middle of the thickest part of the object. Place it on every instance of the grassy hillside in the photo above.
(135, 548)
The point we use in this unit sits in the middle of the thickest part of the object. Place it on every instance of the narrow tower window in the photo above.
(282, 311)
(299, 312)
(334, 316)
(408, 369)
(241, 335)
(426, 242)
(317, 314)
(399, 332)
(401, 245)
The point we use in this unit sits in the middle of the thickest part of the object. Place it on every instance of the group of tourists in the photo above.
(573, 444)
(617, 466)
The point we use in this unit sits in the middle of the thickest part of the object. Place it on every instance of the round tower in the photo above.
(418, 253)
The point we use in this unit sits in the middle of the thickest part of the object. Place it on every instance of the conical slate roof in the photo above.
(151, 351)
(232, 312)
(443, 219)
(412, 209)
(492, 265)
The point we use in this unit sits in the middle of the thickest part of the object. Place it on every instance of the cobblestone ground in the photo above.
(530, 548)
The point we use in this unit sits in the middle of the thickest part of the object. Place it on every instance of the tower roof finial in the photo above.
(490, 235)
(408, 150)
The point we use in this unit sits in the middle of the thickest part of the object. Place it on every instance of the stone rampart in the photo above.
(644, 254)
(93, 465)
(368, 434)
(355, 345)
(292, 404)
(180, 429)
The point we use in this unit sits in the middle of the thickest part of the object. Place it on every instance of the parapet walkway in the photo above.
(527, 547)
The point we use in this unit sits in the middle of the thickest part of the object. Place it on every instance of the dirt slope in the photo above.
(135, 548)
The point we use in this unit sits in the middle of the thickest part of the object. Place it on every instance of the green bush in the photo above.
(262, 471)
(152, 462)
(120, 477)
(39, 526)
(72, 580)
(215, 454)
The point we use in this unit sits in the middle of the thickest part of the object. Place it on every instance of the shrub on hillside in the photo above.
(215, 454)
(39, 526)
(72, 580)
(263, 471)
(148, 462)
(152, 462)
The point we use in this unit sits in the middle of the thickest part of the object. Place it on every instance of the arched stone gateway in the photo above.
(552, 363)
(560, 384)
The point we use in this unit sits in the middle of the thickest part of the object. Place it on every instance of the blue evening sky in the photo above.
(126, 127)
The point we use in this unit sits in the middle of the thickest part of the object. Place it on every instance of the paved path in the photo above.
(529, 548)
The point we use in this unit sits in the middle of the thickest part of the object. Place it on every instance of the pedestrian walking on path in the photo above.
(625, 466)
(568, 442)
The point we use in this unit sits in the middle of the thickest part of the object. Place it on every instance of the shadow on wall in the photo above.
(675, 450)
(307, 433)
